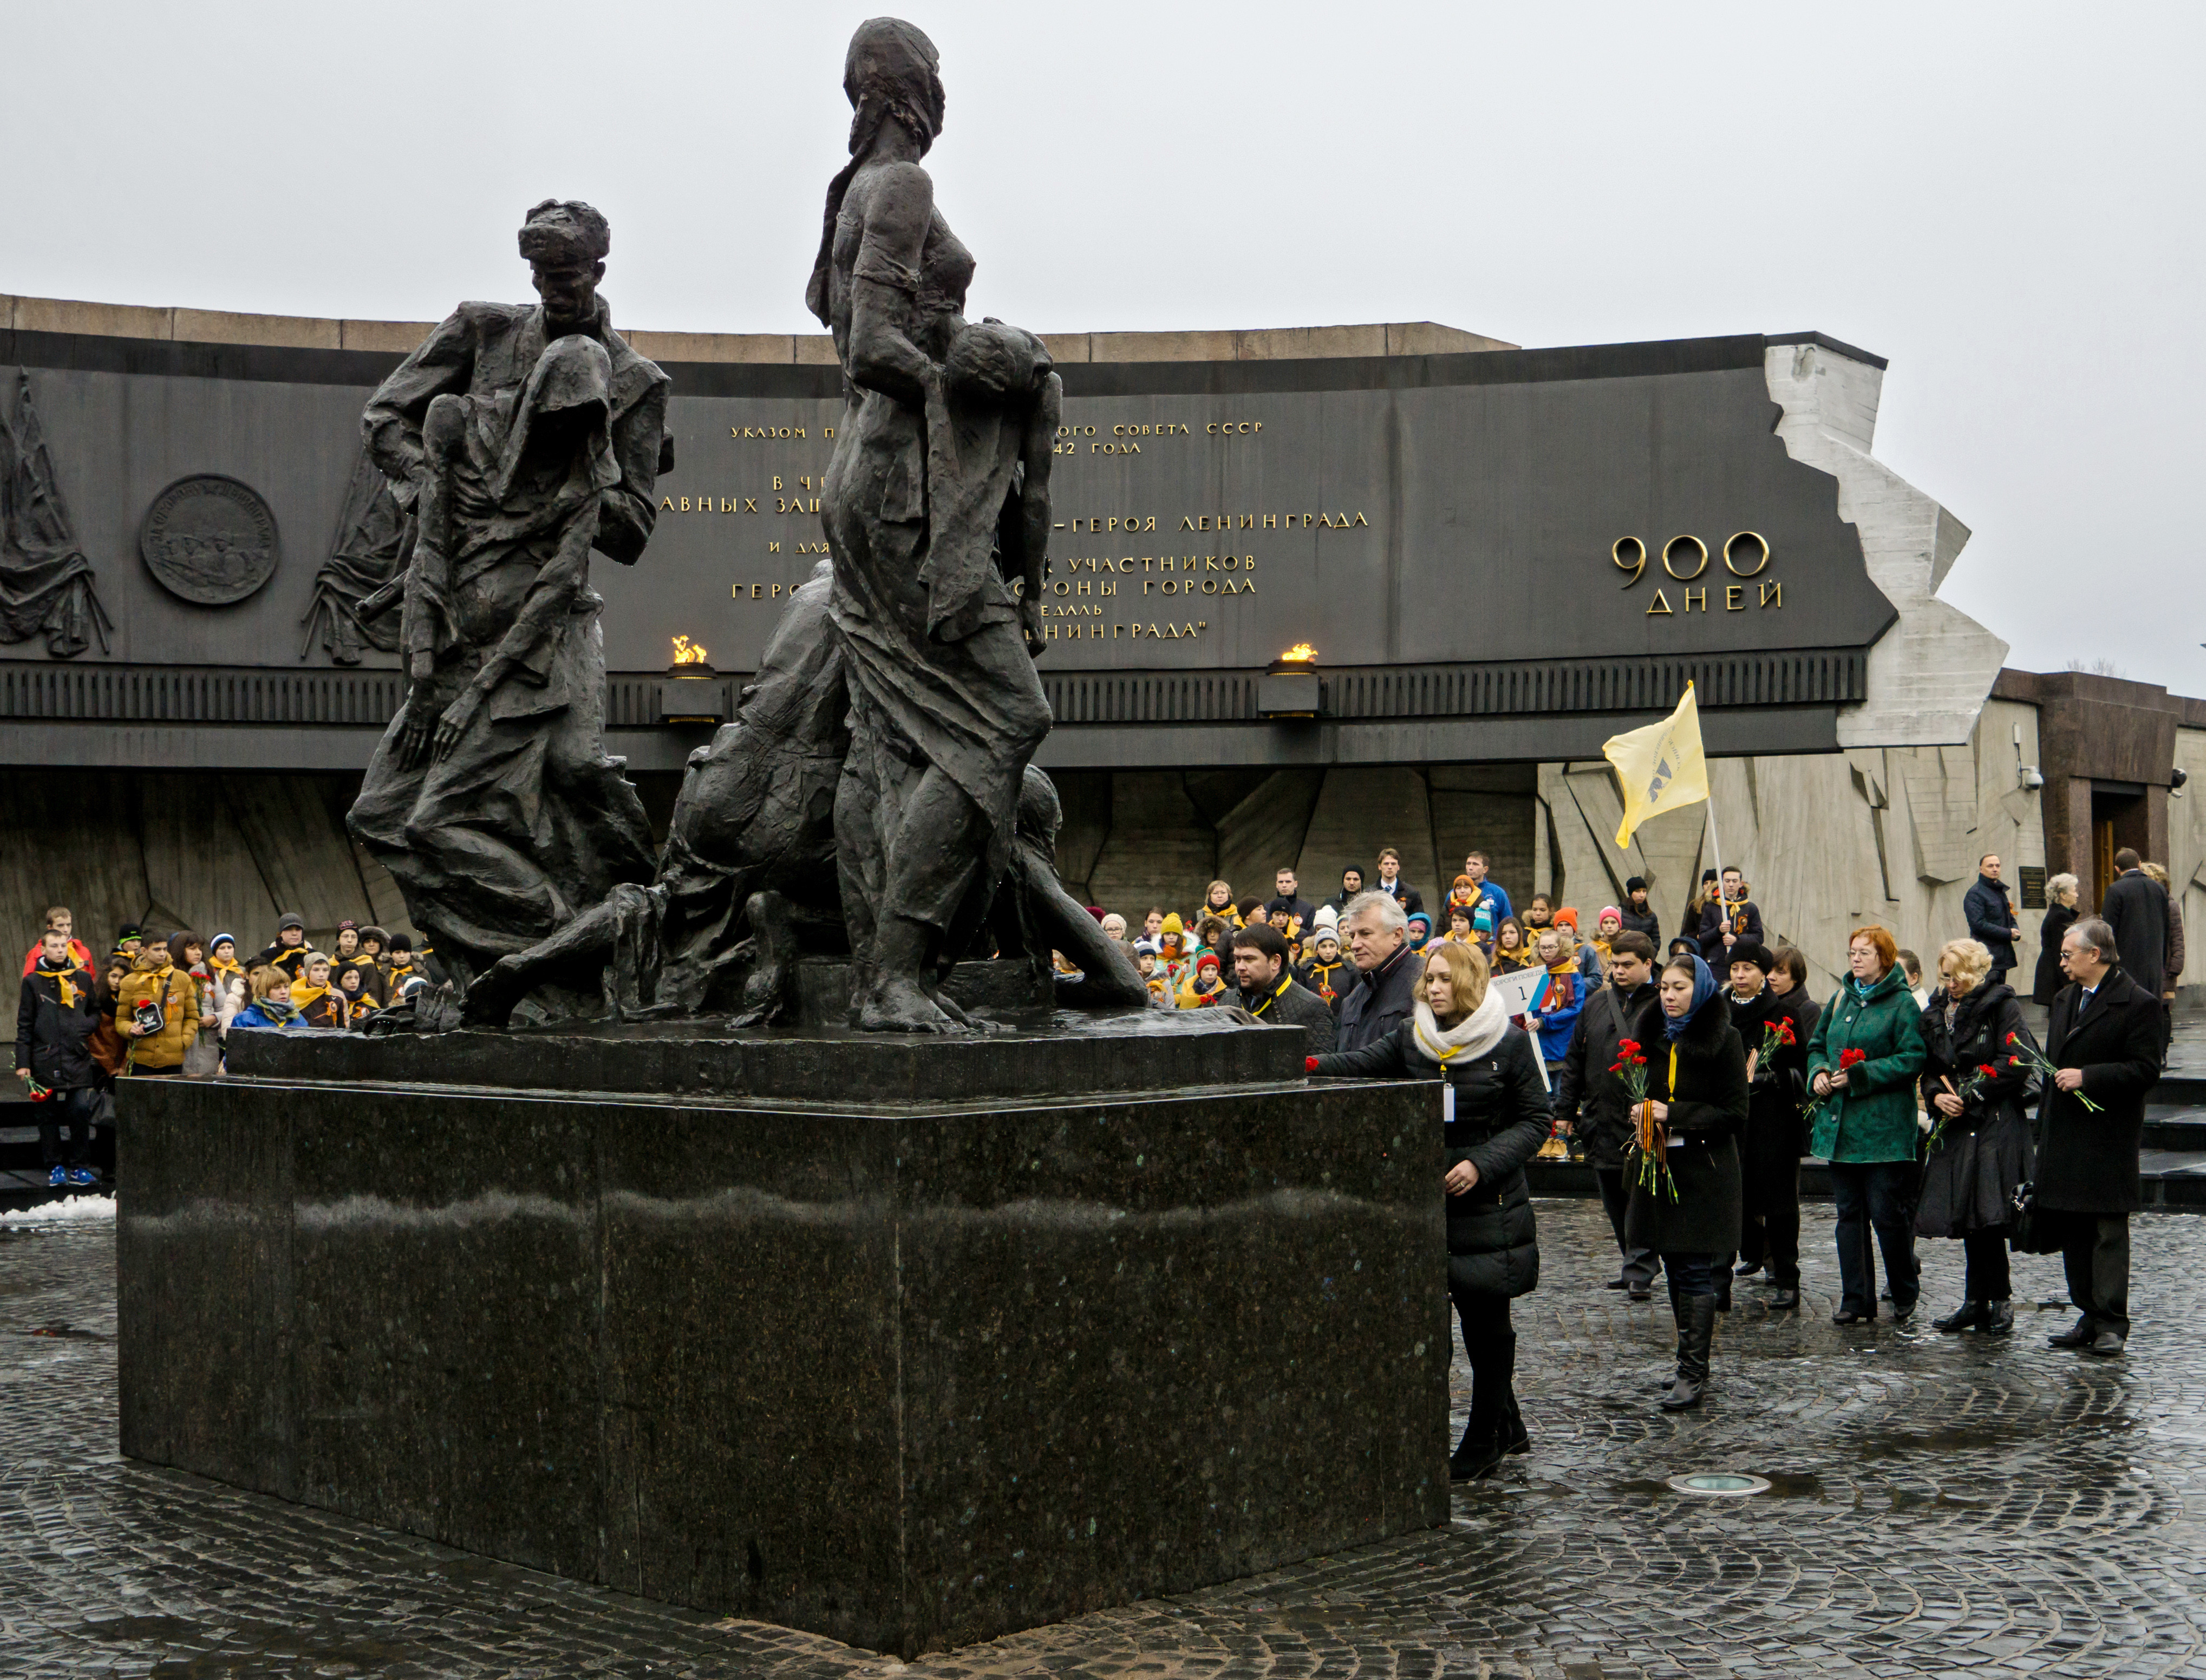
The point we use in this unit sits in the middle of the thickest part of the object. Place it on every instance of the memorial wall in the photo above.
(1495, 559)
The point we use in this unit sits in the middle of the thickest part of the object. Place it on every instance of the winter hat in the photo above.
(1097, 911)
(1637, 883)
(1173, 924)
(347, 923)
(1609, 910)
(377, 934)
(1567, 917)
(1754, 952)
(1207, 960)
(1147, 947)
(1708, 875)
(230, 939)
(284, 923)
(1327, 916)
(1326, 936)
(401, 942)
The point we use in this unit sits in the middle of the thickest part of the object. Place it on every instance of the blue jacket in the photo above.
(252, 1017)
(1556, 1028)
(1990, 916)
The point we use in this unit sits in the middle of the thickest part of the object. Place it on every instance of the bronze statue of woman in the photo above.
(936, 495)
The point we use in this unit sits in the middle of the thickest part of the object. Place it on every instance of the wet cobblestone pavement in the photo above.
(1942, 1505)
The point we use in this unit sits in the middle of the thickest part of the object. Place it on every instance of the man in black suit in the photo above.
(2103, 1036)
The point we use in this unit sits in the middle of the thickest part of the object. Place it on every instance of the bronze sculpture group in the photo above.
(874, 794)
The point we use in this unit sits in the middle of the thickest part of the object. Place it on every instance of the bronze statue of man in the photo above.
(519, 439)
(937, 496)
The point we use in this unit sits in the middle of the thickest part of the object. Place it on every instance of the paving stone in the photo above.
(1942, 1505)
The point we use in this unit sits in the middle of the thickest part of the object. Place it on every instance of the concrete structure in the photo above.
(1447, 517)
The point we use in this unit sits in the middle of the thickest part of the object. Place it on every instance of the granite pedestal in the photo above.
(909, 1371)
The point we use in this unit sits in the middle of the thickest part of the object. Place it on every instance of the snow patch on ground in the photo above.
(69, 1210)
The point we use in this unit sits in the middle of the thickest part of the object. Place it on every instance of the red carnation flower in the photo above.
(1987, 1070)
(1848, 1059)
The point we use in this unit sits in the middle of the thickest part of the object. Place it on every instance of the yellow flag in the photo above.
(1660, 767)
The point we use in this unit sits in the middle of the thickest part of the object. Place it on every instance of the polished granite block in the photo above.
(1039, 1053)
(910, 1375)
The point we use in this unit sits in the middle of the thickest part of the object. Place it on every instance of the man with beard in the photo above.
(1270, 992)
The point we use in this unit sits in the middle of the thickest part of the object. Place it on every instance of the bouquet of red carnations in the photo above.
(1776, 1035)
(1650, 1137)
(2027, 1054)
(1985, 1072)
(1847, 1059)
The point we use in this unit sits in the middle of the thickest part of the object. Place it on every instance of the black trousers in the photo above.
(1879, 1197)
(72, 1110)
(1490, 1345)
(2096, 1254)
(1986, 1277)
(1640, 1264)
(1769, 1228)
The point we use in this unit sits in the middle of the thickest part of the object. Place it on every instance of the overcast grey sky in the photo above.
(2004, 200)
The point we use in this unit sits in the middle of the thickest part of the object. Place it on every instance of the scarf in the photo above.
(1471, 1038)
(1704, 987)
(68, 992)
(283, 1014)
(304, 996)
(1285, 980)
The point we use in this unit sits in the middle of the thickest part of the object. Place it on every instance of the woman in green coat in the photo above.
(1862, 1064)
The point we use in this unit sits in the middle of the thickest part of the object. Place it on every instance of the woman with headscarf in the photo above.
(1683, 1166)
(1495, 1116)
(942, 460)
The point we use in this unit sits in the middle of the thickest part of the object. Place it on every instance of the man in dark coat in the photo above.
(1729, 918)
(1769, 1164)
(1592, 1101)
(2136, 907)
(1376, 928)
(1991, 918)
(2103, 1036)
(1270, 992)
(54, 1016)
(1638, 914)
(1288, 898)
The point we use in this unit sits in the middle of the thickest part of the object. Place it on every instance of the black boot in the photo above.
(1480, 1448)
(1699, 1329)
(1509, 1429)
(1969, 1316)
(1997, 1318)
(1678, 1318)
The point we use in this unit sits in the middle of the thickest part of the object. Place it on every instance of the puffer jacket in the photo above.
(1501, 1119)
(178, 995)
(1873, 1118)
(54, 1017)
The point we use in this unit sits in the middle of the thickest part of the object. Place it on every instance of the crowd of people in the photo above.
(1693, 1076)
(164, 1006)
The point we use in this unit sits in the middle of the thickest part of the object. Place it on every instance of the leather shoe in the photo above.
(1997, 1318)
(1970, 1315)
(2080, 1336)
(1747, 1269)
(1616, 1283)
(1847, 1315)
(1640, 1292)
(1785, 1300)
(2106, 1343)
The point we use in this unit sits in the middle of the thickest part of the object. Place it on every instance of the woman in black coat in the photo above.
(2059, 916)
(1496, 1117)
(1685, 1167)
(1984, 1150)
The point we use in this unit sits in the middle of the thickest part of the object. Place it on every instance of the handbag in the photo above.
(2029, 1230)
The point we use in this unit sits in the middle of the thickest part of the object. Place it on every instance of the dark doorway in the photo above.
(2119, 818)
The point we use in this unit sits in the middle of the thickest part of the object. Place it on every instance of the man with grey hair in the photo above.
(1376, 928)
(2104, 1040)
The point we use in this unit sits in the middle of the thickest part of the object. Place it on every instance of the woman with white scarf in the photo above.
(1494, 1110)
